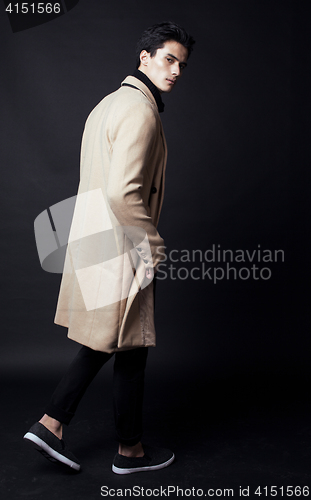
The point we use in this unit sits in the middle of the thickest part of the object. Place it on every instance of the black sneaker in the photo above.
(153, 459)
(50, 446)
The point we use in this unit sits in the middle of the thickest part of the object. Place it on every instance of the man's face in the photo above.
(165, 68)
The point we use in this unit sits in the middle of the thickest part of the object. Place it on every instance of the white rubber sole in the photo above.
(117, 470)
(48, 452)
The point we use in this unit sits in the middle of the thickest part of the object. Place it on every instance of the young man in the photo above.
(106, 295)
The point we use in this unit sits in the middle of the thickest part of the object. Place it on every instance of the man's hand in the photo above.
(149, 273)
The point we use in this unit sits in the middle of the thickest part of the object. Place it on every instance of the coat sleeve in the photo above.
(132, 138)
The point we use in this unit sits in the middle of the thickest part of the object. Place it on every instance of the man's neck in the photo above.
(151, 86)
(141, 69)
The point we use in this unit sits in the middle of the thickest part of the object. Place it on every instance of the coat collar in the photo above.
(133, 81)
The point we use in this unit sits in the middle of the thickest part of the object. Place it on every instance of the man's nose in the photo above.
(176, 69)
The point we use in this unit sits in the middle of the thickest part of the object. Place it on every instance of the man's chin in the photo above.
(167, 89)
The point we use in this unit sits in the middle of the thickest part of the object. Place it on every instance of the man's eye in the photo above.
(169, 59)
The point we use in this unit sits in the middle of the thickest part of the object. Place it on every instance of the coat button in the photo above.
(153, 189)
(145, 261)
(138, 249)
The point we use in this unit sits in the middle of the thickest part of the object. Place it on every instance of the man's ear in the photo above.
(144, 57)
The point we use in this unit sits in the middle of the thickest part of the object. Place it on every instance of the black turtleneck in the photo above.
(151, 86)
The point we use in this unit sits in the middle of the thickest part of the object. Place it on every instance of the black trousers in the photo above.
(128, 389)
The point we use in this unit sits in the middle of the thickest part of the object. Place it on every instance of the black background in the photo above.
(238, 132)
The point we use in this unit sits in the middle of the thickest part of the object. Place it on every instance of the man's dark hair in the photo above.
(154, 38)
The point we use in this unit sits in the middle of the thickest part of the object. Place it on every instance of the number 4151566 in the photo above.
(289, 491)
(40, 8)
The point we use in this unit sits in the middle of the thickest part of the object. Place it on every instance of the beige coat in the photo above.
(105, 300)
